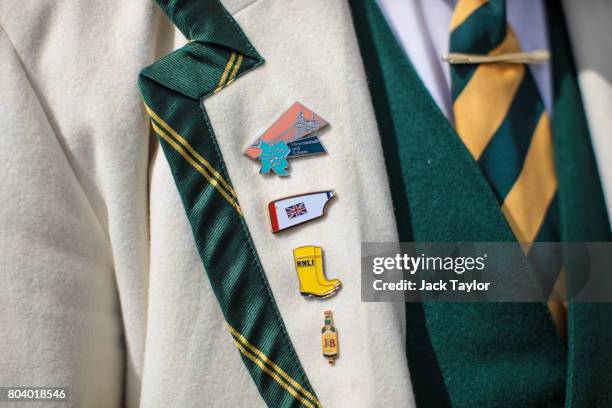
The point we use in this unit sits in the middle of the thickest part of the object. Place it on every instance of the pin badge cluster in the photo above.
(290, 136)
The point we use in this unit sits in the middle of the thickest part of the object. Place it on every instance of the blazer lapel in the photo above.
(312, 57)
(583, 219)
(217, 54)
(590, 32)
(440, 194)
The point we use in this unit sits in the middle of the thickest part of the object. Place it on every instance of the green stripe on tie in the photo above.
(467, 38)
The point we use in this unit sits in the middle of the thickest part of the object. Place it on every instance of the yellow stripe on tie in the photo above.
(274, 375)
(226, 72)
(527, 202)
(235, 71)
(214, 182)
(180, 139)
(239, 337)
(482, 106)
(463, 10)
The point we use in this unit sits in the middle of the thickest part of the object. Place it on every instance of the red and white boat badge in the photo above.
(296, 210)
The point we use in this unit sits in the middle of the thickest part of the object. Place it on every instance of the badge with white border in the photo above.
(291, 211)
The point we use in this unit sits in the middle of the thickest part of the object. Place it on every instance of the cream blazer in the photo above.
(102, 289)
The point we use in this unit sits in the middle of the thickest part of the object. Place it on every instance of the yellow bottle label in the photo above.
(330, 344)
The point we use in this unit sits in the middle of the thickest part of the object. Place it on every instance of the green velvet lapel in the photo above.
(439, 194)
(584, 218)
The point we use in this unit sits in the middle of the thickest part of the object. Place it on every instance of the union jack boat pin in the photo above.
(291, 211)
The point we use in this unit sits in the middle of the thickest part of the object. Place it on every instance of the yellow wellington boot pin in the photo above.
(329, 338)
(309, 267)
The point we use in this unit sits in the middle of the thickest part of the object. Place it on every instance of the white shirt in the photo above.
(421, 28)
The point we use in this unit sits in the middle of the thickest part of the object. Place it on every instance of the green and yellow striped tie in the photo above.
(501, 118)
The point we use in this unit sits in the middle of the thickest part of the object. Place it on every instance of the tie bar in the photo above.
(533, 57)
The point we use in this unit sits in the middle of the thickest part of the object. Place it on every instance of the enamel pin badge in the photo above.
(274, 157)
(287, 138)
(329, 338)
(296, 210)
(309, 267)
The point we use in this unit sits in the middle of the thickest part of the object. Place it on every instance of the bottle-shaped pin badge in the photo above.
(329, 338)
